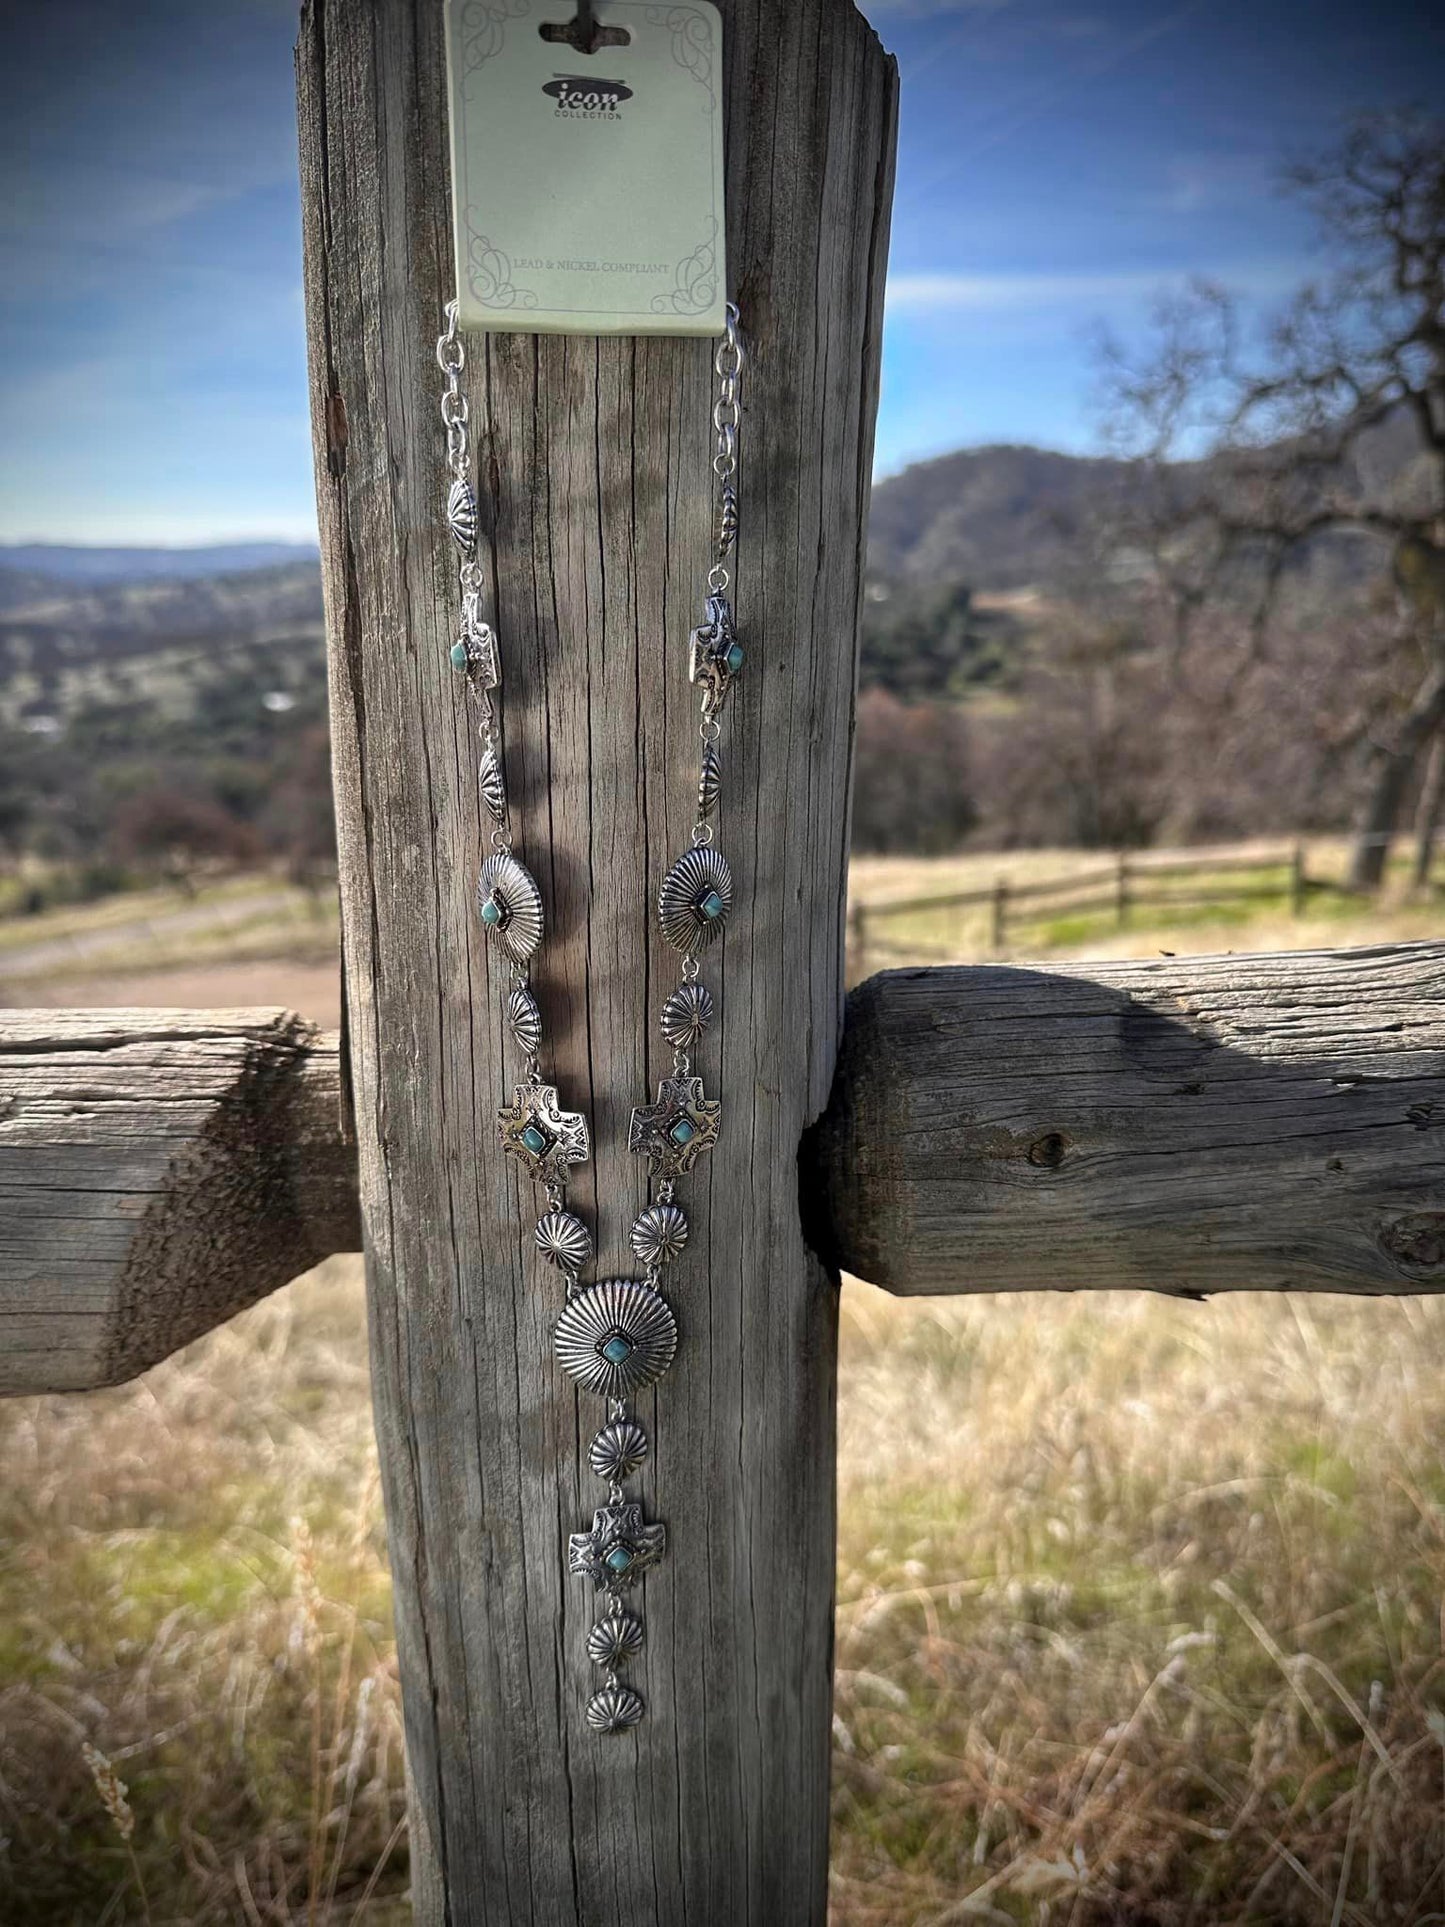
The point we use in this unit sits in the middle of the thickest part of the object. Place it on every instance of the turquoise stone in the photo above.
(620, 1558)
(459, 655)
(617, 1350)
(534, 1140)
(711, 906)
(491, 911)
(734, 658)
(684, 1131)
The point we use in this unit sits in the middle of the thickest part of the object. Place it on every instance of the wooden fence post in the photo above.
(998, 916)
(594, 462)
(1298, 881)
(1121, 890)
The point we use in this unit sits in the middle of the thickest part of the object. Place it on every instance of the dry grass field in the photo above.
(1141, 1608)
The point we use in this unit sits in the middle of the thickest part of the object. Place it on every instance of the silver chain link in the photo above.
(452, 359)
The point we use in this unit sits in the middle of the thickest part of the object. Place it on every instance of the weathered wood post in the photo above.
(594, 457)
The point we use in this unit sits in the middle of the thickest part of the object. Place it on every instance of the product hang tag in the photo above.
(587, 189)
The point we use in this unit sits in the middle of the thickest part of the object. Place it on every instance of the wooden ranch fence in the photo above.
(1128, 882)
(1180, 1125)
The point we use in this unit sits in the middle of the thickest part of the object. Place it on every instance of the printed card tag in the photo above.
(587, 189)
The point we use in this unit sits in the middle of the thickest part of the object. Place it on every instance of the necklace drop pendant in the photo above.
(616, 1337)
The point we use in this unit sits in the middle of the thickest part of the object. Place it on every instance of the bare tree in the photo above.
(1245, 469)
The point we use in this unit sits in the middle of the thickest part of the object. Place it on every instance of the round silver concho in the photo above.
(616, 1337)
(614, 1709)
(618, 1450)
(510, 905)
(659, 1234)
(524, 1020)
(686, 1015)
(563, 1240)
(614, 1639)
(695, 898)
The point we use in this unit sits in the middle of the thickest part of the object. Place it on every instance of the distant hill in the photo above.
(63, 647)
(997, 518)
(62, 562)
(1011, 517)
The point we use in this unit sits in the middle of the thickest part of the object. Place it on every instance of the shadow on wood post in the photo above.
(594, 462)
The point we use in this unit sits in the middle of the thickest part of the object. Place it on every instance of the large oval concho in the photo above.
(695, 898)
(616, 1337)
(510, 905)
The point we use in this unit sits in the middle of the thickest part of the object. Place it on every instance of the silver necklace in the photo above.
(617, 1335)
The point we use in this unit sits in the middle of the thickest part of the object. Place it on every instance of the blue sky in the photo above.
(1060, 163)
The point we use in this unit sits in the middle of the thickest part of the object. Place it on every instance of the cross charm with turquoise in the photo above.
(674, 1132)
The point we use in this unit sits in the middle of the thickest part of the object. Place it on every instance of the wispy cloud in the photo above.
(986, 293)
(949, 293)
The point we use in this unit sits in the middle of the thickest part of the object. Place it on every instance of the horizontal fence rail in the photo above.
(1189, 1124)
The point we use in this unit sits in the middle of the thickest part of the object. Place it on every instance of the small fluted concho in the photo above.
(695, 898)
(489, 782)
(727, 521)
(616, 1337)
(614, 1639)
(510, 905)
(659, 1234)
(564, 1240)
(614, 1709)
(462, 515)
(686, 1015)
(618, 1450)
(709, 782)
(524, 1020)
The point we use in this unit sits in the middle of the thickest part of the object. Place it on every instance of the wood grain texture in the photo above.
(1190, 1125)
(594, 464)
(159, 1170)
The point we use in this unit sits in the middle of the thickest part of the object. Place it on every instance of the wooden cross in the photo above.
(1183, 1126)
